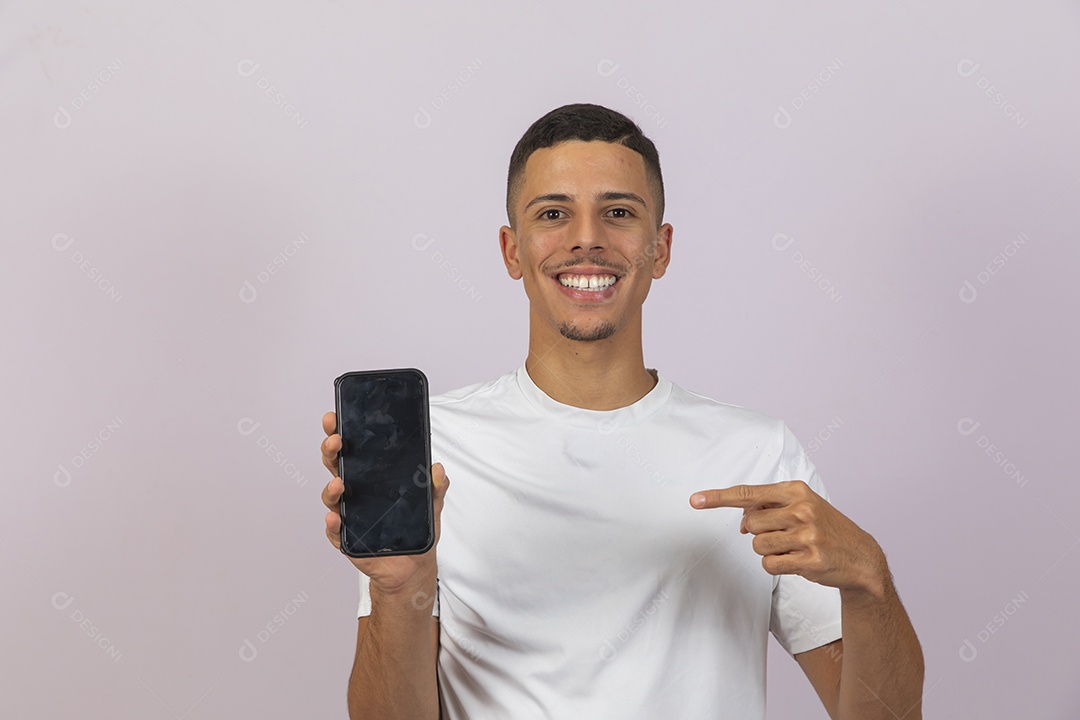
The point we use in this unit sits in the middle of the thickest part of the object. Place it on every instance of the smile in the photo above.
(587, 282)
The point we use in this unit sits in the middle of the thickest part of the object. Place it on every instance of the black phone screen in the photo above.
(385, 463)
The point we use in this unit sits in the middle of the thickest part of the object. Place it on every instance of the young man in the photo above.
(573, 578)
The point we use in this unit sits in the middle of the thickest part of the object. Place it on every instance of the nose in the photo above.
(586, 234)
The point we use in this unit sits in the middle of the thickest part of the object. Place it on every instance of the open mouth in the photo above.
(595, 283)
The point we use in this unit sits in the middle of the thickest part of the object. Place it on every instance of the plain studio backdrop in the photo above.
(208, 213)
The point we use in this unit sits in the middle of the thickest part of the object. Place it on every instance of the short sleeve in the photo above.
(805, 615)
(364, 609)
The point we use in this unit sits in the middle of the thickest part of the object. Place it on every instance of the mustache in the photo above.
(595, 260)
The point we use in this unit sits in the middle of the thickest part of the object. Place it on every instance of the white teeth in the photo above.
(587, 282)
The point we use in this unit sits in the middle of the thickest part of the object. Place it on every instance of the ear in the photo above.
(662, 254)
(508, 245)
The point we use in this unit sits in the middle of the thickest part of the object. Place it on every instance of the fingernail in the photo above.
(697, 499)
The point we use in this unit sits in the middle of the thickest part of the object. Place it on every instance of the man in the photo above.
(574, 579)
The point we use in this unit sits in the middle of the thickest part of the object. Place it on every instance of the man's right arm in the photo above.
(394, 671)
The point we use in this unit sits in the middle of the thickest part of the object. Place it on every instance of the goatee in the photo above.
(603, 331)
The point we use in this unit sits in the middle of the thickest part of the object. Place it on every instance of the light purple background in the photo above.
(138, 145)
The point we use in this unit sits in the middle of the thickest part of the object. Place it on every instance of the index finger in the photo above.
(739, 496)
(329, 423)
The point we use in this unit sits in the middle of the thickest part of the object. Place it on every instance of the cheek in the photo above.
(642, 256)
(532, 283)
(537, 252)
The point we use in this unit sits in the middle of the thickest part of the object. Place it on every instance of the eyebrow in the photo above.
(600, 197)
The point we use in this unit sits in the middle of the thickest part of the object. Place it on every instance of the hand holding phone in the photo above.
(409, 576)
(387, 503)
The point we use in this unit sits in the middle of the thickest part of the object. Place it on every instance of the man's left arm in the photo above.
(876, 670)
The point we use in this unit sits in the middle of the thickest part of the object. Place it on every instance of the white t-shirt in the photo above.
(575, 579)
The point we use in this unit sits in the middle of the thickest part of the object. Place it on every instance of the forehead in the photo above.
(576, 162)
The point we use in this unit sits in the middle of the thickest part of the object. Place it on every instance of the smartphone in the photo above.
(385, 463)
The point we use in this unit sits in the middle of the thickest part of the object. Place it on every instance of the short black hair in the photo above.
(586, 122)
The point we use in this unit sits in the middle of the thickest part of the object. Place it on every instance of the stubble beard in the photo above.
(603, 331)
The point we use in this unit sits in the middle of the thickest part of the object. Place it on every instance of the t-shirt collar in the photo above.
(605, 421)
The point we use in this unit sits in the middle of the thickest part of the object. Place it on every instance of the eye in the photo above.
(551, 214)
(621, 213)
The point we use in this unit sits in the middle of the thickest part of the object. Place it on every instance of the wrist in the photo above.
(874, 580)
(418, 592)
(875, 585)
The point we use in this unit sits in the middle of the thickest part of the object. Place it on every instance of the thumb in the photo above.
(440, 482)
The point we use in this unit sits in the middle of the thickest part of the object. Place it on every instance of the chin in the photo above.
(599, 331)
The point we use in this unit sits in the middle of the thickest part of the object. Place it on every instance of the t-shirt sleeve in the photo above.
(805, 615)
(365, 598)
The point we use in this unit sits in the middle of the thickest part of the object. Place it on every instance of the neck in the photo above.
(596, 375)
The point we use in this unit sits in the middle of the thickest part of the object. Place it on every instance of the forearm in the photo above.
(882, 671)
(394, 676)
